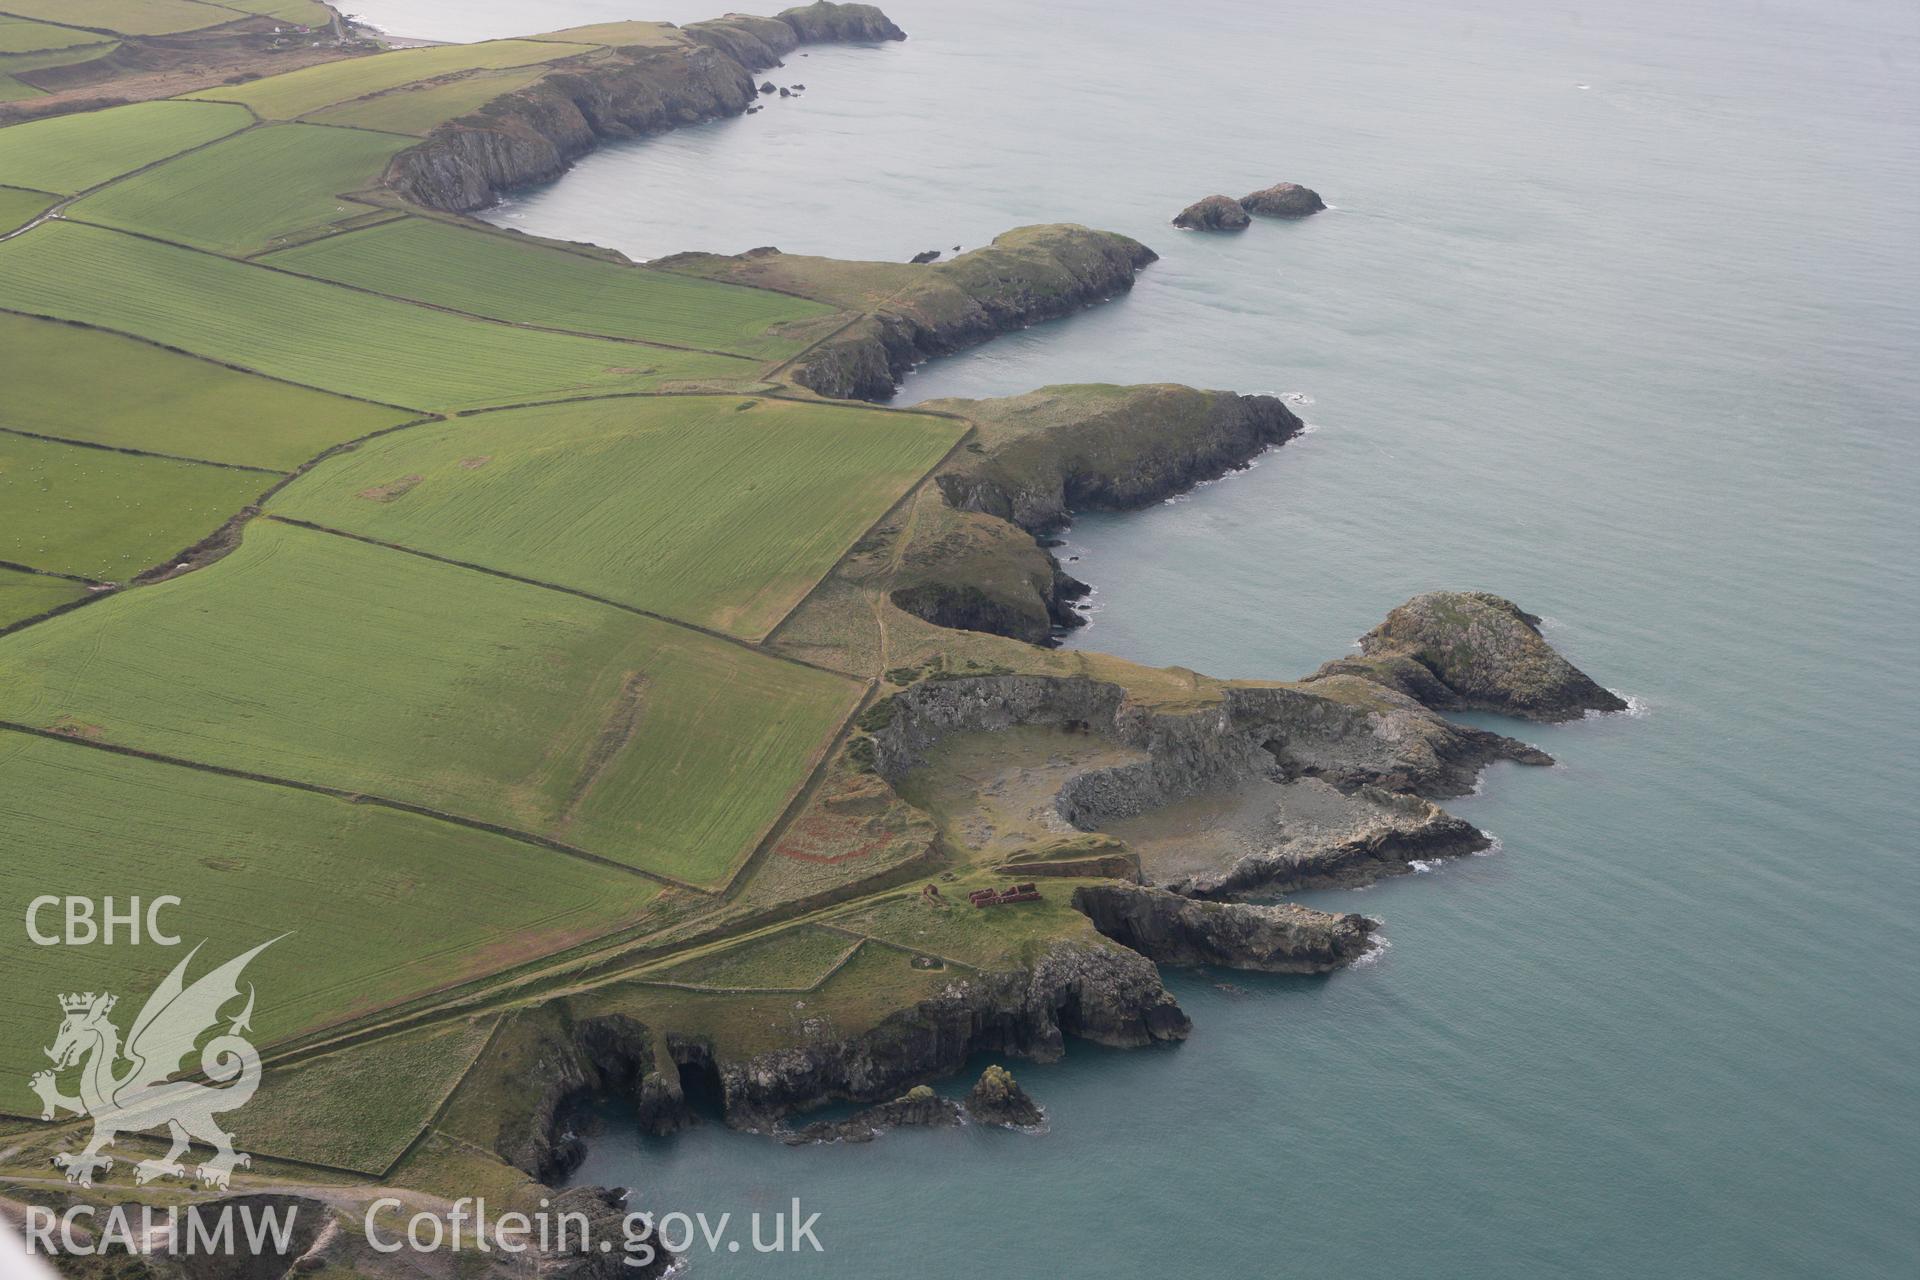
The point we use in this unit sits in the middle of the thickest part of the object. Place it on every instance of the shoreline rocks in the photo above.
(1213, 213)
(1474, 651)
(997, 1099)
(1025, 276)
(534, 134)
(1170, 929)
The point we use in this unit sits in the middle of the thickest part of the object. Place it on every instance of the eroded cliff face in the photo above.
(1171, 929)
(1059, 450)
(1105, 994)
(1088, 989)
(1025, 276)
(533, 134)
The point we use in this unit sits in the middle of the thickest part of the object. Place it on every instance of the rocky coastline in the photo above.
(534, 134)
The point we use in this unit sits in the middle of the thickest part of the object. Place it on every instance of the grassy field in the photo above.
(358, 1108)
(363, 892)
(497, 275)
(989, 938)
(621, 34)
(107, 516)
(128, 17)
(713, 509)
(69, 154)
(81, 384)
(240, 195)
(284, 97)
(20, 36)
(791, 960)
(27, 595)
(18, 208)
(417, 109)
(349, 342)
(641, 741)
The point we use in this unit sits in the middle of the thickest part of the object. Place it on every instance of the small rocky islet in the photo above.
(1224, 213)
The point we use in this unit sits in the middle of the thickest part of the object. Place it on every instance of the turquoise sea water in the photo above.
(1615, 313)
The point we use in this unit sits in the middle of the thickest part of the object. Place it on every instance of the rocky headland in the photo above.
(1472, 651)
(912, 312)
(533, 134)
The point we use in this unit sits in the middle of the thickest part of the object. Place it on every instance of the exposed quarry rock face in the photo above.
(1213, 213)
(1254, 732)
(1283, 200)
(533, 134)
(1163, 926)
(1468, 650)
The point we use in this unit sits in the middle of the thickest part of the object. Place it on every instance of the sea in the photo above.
(1616, 312)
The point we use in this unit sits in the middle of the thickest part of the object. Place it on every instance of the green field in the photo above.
(620, 34)
(81, 384)
(794, 959)
(326, 660)
(496, 275)
(284, 97)
(28, 595)
(107, 516)
(363, 891)
(418, 109)
(69, 154)
(18, 208)
(349, 342)
(19, 36)
(241, 195)
(128, 17)
(712, 509)
(358, 1108)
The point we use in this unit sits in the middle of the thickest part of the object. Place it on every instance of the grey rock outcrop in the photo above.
(1213, 213)
(533, 134)
(1470, 650)
(1283, 938)
(997, 1099)
(1283, 200)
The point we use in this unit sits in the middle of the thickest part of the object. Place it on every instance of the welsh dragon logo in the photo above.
(138, 1096)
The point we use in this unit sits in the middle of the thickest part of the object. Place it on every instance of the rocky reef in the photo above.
(533, 134)
(919, 1107)
(1213, 213)
(1473, 651)
(1283, 200)
(1171, 929)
